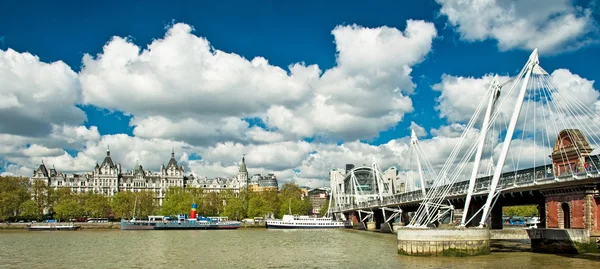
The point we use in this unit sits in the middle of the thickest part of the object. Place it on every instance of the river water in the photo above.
(246, 248)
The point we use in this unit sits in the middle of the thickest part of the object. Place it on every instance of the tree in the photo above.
(146, 205)
(177, 201)
(122, 205)
(292, 199)
(323, 210)
(30, 210)
(40, 192)
(258, 207)
(96, 205)
(234, 208)
(273, 201)
(68, 209)
(13, 192)
(212, 204)
(296, 206)
(520, 210)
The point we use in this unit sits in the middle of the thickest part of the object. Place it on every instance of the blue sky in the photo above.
(284, 33)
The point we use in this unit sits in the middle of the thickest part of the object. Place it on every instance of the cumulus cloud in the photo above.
(419, 130)
(550, 25)
(35, 95)
(181, 87)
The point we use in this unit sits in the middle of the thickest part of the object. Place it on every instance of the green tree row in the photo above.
(21, 200)
(244, 205)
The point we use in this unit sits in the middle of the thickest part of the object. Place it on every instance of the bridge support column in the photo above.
(496, 221)
(542, 213)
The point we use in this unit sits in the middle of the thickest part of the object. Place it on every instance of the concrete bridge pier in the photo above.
(443, 242)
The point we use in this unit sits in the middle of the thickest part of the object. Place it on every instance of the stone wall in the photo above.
(443, 242)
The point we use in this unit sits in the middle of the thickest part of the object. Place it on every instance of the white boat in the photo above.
(304, 222)
(52, 227)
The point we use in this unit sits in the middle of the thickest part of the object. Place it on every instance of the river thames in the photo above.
(246, 248)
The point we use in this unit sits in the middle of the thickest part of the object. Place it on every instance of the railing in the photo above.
(508, 180)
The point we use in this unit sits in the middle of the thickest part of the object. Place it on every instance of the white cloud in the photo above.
(550, 25)
(180, 87)
(35, 95)
(419, 130)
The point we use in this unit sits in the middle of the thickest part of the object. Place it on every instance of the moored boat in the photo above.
(182, 222)
(52, 227)
(304, 222)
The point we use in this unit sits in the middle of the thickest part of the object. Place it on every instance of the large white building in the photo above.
(108, 178)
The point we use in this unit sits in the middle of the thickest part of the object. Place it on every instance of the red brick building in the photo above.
(573, 207)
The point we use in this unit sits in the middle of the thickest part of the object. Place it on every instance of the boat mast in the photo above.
(134, 205)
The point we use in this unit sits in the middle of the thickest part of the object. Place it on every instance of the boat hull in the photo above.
(50, 228)
(295, 226)
(177, 226)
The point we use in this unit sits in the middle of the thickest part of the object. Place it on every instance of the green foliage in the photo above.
(30, 210)
(68, 208)
(323, 210)
(40, 192)
(258, 206)
(177, 201)
(96, 205)
(292, 199)
(520, 210)
(124, 203)
(297, 206)
(146, 204)
(212, 204)
(234, 208)
(13, 192)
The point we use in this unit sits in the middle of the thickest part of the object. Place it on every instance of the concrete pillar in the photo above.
(371, 226)
(496, 217)
(542, 213)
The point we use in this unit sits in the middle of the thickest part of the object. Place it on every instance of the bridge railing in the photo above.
(508, 180)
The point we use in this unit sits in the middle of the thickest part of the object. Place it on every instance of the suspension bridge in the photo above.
(528, 142)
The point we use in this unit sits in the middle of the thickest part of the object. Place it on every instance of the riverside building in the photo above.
(108, 178)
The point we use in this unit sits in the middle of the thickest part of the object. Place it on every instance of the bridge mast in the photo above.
(531, 63)
(413, 141)
(494, 90)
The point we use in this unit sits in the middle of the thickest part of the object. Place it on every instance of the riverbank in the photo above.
(83, 225)
(100, 225)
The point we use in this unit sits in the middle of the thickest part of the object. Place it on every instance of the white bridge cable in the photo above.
(550, 119)
(441, 187)
(438, 192)
(574, 112)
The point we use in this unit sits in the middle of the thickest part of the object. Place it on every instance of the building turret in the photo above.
(243, 173)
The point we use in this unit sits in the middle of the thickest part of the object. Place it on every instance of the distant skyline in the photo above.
(298, 88)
